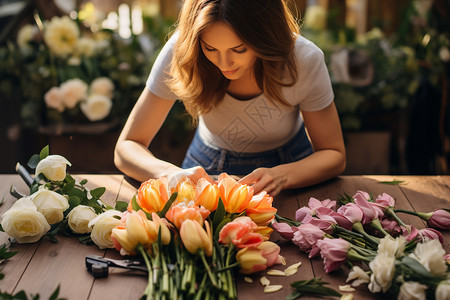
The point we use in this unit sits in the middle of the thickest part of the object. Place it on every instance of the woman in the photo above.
(254, 84)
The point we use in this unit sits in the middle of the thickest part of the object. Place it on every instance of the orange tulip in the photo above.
(179, 213)
(240, 233)
(270, 251)
(152, 195)
(265, 231)
(260, 209)
(235, 196)
(194, 237)
(207, 194)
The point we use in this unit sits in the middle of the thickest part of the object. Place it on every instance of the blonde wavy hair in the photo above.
(266, 26)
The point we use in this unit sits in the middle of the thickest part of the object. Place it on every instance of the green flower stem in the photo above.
(281, 219)
(231, 287)
(201, 252)
(423, 216)
(353, 255)
(359, 228)
(165, 286)
(377, 225)
(390, 211)
(150, 290)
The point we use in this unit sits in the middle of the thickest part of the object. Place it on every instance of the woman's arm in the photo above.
(327, 161)
(131, 154)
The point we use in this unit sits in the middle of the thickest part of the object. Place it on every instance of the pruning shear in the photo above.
(98, 266)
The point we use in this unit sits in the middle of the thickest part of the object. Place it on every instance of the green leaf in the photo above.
(34, 160)
(219, 214)
(134, 204)
(44, 152)
(98, 192)
(83, 182)
(416, 266)
(1, 228)
(168, 204)
(220, 226)
(314, 287)
(85, 240)
(393, 182)
(68, 187)
(5, 254)
(54, 295)
(74, 201)
(121, 206)
(2, 201)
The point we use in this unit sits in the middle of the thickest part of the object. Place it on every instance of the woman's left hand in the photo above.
(265, 179)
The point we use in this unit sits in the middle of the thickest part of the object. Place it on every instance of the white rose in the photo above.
(359, 274)
(53, 167)
(392, 246)
(61, 35)
(25, 35)
(53, 99)
(51, 204)
(431, 255)
(79, 218)
(411, 290)
(23, 222)
(102, 86)
(383, 269)
(73, 91)
(96, 107)
(102, 225)
(443, 290)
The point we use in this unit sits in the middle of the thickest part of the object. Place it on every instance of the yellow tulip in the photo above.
(162, 226)
(194, 237)
(140, 229)
(122, 241)
(251, 260)
(186, 191)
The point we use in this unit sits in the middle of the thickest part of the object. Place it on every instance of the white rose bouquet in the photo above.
(58, 203)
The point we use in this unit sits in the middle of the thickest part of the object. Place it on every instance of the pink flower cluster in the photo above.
(321, 221)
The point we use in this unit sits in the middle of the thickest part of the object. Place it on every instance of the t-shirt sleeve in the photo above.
(313, 91)
(159, 74)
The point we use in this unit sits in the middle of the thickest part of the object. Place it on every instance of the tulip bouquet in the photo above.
(382, 251)
(193, 235)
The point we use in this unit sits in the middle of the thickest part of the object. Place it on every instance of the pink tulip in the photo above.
(410, 235)
(333, 252)
(447, 258)
(177, 214)
(361, 199)
(306, 238)
(391, 226)
(341, 220)
(240, 233)
(285, 230)
(432, 234)
(440, 219)
(313, 204)
(385, 200)
(325, 223)
(352, 212)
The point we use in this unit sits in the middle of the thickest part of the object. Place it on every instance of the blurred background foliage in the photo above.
(388, 61)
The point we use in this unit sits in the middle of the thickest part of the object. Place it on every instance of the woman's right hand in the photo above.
(194, 174)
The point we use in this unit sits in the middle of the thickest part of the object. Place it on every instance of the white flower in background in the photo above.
(422, 7)
(24, 222)
(53, 99)
(443, 290)
(102, 86)
(25, 36)
(51, 204)
(431, 255)
(61, 35)
(444, 54)
(392, 246)
(358, 275)
(73, 91)
(383, 269)
(96, 107)
(53, 167)
(85, 46)
(411, 290)
(79, 218)
(102, 225)
(315, 17)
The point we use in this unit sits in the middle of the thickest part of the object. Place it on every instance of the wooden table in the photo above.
(40, 267)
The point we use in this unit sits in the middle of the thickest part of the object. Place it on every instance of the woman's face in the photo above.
(222, 46)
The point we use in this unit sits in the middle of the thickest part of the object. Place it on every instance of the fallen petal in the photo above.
(272, 288)
(264, 281)
(248, 279)
(347, 297)
(276, 273)
(346, 288)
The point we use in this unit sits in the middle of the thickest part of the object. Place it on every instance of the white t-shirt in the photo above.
(257, 125)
